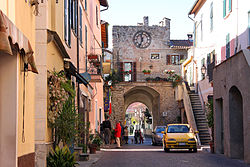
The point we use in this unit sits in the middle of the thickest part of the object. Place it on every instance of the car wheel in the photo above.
(195, 150)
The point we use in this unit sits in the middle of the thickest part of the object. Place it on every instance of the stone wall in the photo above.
(157, 96)
(124, 50)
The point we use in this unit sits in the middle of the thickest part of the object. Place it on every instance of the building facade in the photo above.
(17, 83)
(221, 29)
(143, 54)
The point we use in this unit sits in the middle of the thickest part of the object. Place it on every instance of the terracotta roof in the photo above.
(104, 3)
(180, 43)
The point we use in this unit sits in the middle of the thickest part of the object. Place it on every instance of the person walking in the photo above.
(135, 137)
(126, 134)
(107, 130)
(118, 134)
(141, 137)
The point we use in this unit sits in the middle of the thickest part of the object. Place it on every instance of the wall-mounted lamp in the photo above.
(203, 70)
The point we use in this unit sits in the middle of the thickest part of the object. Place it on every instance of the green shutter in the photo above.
(224, 8)
(230, 6)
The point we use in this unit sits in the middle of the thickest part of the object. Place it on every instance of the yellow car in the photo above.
(179, 136)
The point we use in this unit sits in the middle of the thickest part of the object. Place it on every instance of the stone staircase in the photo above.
(200, 119)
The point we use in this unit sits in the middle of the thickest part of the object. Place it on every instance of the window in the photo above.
(211, 17)
(86, 5)
(127, 71)
(174, 59)
(67, 16)
(155, 56)
(80, 24)
(75, 16)
(228, 46)
(97, 20)
(227, 7)
(86, 40)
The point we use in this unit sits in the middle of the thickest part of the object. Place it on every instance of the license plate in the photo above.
(182, 144)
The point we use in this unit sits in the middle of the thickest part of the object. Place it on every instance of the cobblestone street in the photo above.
(147, 155)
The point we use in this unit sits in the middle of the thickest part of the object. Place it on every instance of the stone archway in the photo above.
(145, 95)
(157, 96)
(236, 123)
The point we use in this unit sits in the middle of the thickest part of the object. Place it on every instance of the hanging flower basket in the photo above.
(92, 56)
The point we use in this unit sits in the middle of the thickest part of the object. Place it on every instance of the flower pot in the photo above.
(92, 148)
(146, 72)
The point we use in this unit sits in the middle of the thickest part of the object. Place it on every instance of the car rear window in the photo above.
(178, 129)
(159, 129)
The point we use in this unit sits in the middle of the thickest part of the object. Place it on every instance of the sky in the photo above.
(131, 12)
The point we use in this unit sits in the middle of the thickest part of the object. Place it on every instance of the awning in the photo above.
(82, 78)
(11, 33)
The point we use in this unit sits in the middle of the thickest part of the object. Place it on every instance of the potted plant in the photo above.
(146, 71)
(210, 117)
(95, 143)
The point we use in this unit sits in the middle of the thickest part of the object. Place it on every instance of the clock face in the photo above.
(142, 39)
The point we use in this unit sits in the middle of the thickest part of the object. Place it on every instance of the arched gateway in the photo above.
(157, 96)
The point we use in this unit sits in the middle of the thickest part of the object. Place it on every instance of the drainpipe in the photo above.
(77, 57)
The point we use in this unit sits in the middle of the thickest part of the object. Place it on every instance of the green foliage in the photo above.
(83, 146)
(146, 71)
(210, 115)
(68, 125)
(147, 115)
(61, 158)
(115, 77)
(95, 139)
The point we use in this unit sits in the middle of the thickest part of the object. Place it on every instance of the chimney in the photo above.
(190, 37)
(145, 20)
(166, 22)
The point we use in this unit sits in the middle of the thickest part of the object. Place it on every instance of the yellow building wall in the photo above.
(21, 14)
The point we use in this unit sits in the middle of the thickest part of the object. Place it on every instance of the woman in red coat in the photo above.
(118, 134)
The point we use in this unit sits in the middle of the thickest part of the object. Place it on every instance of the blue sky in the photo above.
(131, 12)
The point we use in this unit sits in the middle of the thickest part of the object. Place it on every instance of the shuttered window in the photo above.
(228, 46)
(227, 7)
(134, 71)
(80, 24)
(211, 17)
(121, 70)
(67, 21)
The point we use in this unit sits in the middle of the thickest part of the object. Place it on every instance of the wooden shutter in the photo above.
(224, 8)
(134, 71)
(229, 5)
(168, 59)
(121, 70)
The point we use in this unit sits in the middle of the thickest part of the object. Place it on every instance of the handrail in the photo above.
(189, 110)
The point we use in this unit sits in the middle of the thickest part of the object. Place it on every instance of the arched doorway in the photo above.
(146, 95)
(138, 117)
(236, 123)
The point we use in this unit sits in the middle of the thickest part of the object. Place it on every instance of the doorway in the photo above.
(236, 123)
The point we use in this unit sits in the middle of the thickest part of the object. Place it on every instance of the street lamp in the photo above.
(203, 71)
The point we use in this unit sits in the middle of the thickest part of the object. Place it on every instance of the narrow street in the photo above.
(147, 155)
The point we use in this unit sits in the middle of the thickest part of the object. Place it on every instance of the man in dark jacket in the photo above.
(107, 130)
